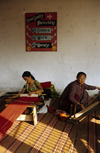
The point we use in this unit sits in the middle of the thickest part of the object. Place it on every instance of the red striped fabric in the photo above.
(9, 115)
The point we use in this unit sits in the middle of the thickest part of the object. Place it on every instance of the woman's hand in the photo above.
(82, 106)
(30, 93)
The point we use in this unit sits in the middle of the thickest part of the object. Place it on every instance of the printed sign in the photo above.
(41, 31)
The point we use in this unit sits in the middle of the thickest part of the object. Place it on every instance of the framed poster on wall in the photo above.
(41, 31)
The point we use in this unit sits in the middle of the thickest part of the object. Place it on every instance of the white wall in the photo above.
(78, 41)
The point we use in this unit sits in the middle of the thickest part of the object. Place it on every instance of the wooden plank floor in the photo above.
(51, 135)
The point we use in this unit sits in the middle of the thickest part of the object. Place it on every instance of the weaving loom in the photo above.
(9, 115)
(77, 117)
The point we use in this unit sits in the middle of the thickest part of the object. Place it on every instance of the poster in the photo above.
(41, 31)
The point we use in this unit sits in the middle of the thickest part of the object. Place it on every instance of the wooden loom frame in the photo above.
(33, 117)
(77, 117)
(30, 117)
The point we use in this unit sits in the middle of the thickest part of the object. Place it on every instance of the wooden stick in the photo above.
(31, 105)
(26, 95)
(32, 95)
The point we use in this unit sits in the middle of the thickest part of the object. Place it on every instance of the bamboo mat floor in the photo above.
(51, 135)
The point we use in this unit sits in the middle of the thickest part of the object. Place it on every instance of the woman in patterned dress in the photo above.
(32, 86)
(76, 93)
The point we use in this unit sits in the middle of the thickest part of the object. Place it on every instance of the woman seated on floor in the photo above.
(32, 86)
(76, 93)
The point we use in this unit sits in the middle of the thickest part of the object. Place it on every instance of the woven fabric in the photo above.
(9, 115)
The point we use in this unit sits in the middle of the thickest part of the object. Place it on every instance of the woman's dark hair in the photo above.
(80, 73)
(27, 74)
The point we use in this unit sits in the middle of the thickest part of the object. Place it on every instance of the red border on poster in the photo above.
(41, 31)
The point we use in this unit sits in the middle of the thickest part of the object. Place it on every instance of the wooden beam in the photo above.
(24, 117)
(26, 95)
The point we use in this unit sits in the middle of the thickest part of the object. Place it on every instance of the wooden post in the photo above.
(34, 115)
(74, 110)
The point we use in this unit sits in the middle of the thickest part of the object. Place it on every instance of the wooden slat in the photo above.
(31, 105)
(26, 95)
(24, 117)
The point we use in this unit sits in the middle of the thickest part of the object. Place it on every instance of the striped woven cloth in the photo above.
(9, 115)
